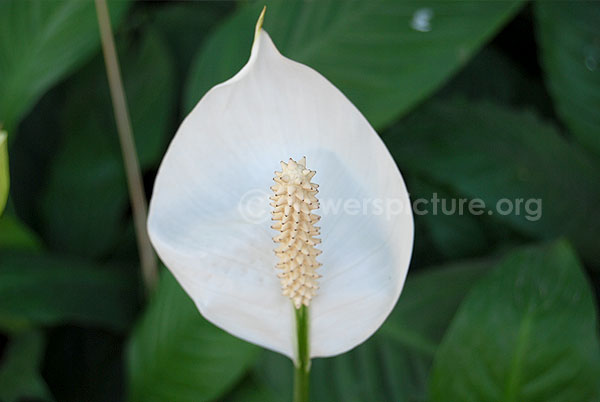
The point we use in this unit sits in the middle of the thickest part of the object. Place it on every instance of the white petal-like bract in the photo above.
(209, 217)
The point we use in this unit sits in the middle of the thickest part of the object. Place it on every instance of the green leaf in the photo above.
(4, 176)
(185, 25)
(369, 50)
(485, 151)
(251, 390)
(453, 235)
(86, 195)
(444, 236)
(176, 355)
(40, 43)
(425, 309)
(569, 38)
(20, 376)
(507, 85)
(39, 289)
(393, 365)
(527, 332)
(84, 364)
(14, 235)
(31, 153)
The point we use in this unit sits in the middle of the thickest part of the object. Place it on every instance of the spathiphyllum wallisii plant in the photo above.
(286, 284)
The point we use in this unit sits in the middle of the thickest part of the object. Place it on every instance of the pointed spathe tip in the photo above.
(259, 23)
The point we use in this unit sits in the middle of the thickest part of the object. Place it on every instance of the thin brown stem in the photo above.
(132, 167)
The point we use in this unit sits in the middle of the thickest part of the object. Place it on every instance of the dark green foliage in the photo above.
(38, 289)
(19, 374)
(40, 43)
(481, 150)
(394, 364)
(527, 332)
(176, 355)
(387, 65)
(570, 52)
(493, 100)
(97, 196)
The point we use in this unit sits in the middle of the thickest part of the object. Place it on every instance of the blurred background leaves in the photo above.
(387, 66)
(97, 196)
(40, 43)
(526, 332)
(495, 153)
(20, 372)
(176, 354)
(486, 100)
(570, 51)
(39, 290)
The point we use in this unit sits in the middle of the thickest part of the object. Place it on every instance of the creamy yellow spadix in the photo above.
(294, 199)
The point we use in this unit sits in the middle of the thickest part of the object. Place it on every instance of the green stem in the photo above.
(302, 364)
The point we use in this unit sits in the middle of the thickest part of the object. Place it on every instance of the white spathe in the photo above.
(228, 147)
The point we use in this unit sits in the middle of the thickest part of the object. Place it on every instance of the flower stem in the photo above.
(132, 167)
(302, 364)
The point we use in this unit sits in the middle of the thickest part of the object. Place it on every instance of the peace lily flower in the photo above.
(242, 273)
